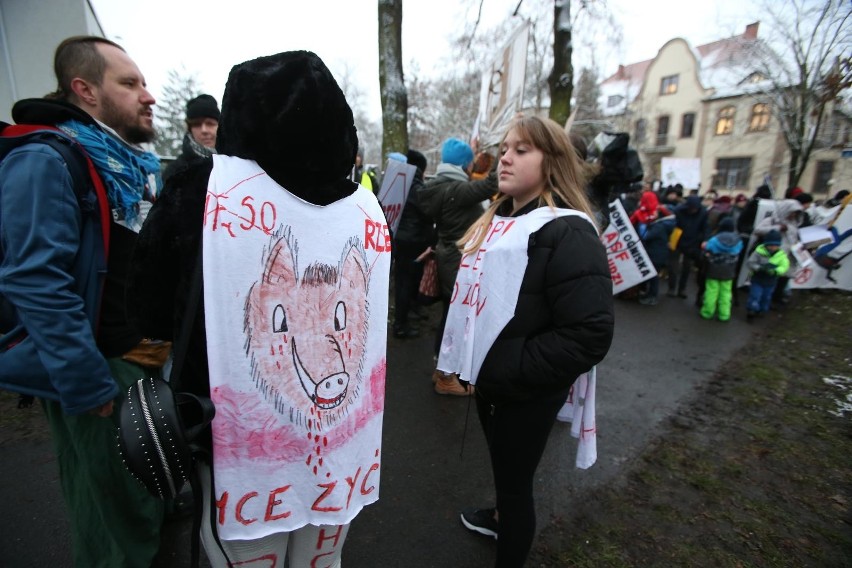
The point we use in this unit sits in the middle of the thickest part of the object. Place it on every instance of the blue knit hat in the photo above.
(456, 152)
(773, 237)
(397, 156)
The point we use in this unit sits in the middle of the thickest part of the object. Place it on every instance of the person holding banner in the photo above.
(532, 312)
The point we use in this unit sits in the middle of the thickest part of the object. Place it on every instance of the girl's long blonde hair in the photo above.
(562, 170)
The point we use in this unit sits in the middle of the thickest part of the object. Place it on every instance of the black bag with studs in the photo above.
(158, 428)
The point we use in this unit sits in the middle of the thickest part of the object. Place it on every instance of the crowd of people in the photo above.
(709, 237)
(267, 205)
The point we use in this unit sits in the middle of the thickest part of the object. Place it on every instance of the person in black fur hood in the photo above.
(297, 403)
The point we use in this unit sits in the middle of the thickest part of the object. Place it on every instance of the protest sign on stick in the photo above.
(629, 263)
(396, 184)
(502, 90)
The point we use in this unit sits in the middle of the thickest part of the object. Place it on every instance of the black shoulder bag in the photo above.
(159, 429)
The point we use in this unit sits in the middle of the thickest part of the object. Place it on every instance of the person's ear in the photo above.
(84, 91)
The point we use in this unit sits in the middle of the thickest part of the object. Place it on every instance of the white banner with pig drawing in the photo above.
(295, 302)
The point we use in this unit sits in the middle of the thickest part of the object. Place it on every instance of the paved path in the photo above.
(434, 455)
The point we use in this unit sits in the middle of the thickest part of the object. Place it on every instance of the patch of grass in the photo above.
(764, 480)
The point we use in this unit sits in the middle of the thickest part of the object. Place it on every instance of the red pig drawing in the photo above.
(306, 333)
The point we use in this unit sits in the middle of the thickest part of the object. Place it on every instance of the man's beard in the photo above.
(126, 124)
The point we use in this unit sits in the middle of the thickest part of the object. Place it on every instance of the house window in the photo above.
(759, 120)
(687, 124)
(614, 100)
(662, 131)
(824, 172)
(668, 85)
(732, 173)
(641, 125)
(725, 123)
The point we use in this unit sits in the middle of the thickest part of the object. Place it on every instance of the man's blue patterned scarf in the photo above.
(129, 175)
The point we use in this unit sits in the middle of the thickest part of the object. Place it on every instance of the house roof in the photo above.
(723, 64)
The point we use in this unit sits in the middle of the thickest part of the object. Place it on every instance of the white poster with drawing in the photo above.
(295, 300)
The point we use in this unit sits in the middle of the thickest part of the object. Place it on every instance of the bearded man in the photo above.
(51, 273)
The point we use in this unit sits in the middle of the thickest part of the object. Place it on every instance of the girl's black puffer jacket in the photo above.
(564, 320)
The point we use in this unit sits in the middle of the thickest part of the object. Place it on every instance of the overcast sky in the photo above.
(207, 37)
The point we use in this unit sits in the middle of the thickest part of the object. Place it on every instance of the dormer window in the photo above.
(755, 77)
(614, 100)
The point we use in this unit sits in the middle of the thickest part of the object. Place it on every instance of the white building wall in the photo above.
(30, 31)
(675, 58)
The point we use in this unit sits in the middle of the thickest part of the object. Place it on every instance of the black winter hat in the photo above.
(773, 237)
(287, 113)
(726, 225)
(416, 158)
(763, 192)
(202, 106)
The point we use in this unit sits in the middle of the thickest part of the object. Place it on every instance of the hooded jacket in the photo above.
(649, 209)
(766, 266)
(721, 252)
(786, 219)
(453, 203)
(692, 220)
(287, 113)
(48, 274)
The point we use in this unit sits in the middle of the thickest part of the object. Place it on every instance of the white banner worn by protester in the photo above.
(484, 299)
(295, 300)
(396, 184)
(629, 263)
(579, 410)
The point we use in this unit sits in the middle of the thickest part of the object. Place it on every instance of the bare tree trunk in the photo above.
(561, 79)
(391, 81)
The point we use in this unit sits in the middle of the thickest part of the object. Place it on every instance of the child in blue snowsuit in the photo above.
(720, 253)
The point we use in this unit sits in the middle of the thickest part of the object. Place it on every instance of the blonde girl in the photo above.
(561, 326)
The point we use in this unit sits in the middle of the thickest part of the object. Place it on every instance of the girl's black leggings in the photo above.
(517, 435)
